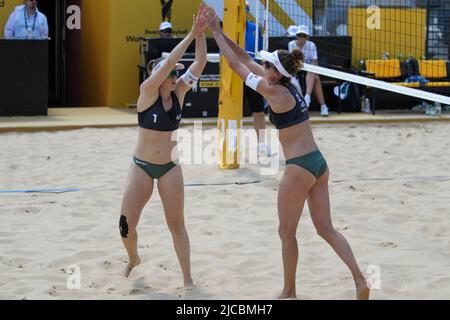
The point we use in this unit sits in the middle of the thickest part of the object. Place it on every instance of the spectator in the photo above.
(254, 99)
(292, 31)
(309, 50)
(165, 30)
(26, 22)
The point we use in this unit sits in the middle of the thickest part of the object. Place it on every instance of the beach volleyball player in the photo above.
(159, 113)
(306, 175)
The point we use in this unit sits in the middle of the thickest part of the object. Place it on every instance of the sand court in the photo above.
(389, 196)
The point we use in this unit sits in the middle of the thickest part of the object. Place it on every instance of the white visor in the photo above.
(178, 66)
(273, 58)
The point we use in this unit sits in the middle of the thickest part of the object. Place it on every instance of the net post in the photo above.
(257, 30)
(231, 91)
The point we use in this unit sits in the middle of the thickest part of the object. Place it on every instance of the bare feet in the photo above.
(287, 294)
(362, 288)
(188, 283)
(130, 266)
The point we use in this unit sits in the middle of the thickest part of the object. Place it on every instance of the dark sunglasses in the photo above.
(302, 35)
(173, 73)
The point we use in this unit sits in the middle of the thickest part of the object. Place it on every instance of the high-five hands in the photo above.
(200, 23)
(211, 18)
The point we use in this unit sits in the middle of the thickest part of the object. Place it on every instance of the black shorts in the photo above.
(253, 100)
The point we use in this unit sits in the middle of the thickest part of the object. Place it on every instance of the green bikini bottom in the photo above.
(313, 162)
(155, 171)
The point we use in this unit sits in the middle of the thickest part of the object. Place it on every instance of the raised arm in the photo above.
(152, 84)
(192, 75)
(259, 84)
(200, 56)
(243, 56)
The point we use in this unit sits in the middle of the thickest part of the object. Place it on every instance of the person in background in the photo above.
(309, 50)
(165, 30)
(292, 33)
(26, 22)
(253, 98)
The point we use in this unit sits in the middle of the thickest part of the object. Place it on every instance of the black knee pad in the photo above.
(123, 227)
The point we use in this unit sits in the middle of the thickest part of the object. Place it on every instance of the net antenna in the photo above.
(257, 29)
(266, 26)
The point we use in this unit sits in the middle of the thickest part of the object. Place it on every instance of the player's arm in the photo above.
(243, 56)
(252, 80)
(157, 77)
(192, 75)
(152, 84)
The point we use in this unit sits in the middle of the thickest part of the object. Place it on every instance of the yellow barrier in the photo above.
(433, 68)
(384, 68)
(402, 31)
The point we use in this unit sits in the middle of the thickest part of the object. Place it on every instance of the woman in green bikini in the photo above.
(306, 176)
(159, 112)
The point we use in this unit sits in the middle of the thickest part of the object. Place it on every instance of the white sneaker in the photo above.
(264, 149)
(324, 111)
(308, 100)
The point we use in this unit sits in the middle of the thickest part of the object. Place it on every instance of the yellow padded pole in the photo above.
(231, 90)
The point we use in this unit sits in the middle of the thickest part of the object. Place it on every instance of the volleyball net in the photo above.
(396, 46)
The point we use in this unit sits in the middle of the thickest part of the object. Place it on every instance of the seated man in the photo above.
(165, 30)
(309, 50)
(26, 22)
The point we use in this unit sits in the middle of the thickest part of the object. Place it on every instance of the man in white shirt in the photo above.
(309, 50)
(26, 22)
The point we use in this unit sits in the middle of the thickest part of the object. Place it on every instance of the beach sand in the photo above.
(400, 224)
